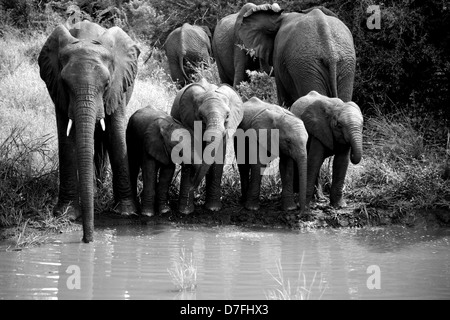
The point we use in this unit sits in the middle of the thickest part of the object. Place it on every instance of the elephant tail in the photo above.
(181, 59)
(333, 79)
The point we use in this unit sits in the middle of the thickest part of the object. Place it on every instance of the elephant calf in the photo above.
(334, 128)
(149, 141)
(261, 118)
(187, 47)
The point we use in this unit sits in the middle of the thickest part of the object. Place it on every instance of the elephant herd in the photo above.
(90, 71)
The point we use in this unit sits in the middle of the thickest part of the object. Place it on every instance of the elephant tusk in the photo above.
(69, 126)
(102, 123)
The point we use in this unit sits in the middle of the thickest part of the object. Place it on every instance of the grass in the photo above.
(300, 290)
(184, 272)
(402, 169)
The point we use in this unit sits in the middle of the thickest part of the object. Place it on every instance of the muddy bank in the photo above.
(270, 215)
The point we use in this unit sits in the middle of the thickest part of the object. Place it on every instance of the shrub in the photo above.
(261, 85)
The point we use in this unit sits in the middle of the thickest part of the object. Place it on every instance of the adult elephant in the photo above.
(151, 140)
(89, 72)
(187, 47)
(231, 58)
(210, 111)
(310, 50)
(264, 119)
(335, 128)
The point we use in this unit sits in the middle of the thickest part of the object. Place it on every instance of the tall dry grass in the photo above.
(399, 171)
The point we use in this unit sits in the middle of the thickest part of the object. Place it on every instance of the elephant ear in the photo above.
(317, 123)
(207, 31)
(158, 143)
(125, 55)
(48, 61)
(257, 27)
(184, 107)
(235, 103)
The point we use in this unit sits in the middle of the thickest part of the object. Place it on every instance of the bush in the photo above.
(261, 85)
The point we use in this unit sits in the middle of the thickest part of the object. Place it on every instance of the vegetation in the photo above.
(401, 84)
(184, 272)
(301, 290)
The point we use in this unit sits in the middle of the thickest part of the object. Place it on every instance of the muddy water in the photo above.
(132, 262)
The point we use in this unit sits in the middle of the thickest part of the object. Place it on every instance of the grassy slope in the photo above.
(398, 177)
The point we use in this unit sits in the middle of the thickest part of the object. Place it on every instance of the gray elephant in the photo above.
(309, 50)
(335, 128)
(187, 47)
(210, 111)
(152, 135)
(89, 72)
(261, 118)
(231, 58)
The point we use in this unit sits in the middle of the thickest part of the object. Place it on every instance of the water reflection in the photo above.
(132, 262)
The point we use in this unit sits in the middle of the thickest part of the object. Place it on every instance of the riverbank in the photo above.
(400, 180)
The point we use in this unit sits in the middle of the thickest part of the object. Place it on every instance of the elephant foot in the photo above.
(126, 207)
(288, 204)
(164, 208)
(71, 211)
(213, 205)
(148, 212)
(338, 204)
(186, 209)
(252, 205)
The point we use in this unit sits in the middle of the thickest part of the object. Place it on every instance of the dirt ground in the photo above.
(270, 215)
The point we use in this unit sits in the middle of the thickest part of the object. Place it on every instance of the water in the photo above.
(132, 262)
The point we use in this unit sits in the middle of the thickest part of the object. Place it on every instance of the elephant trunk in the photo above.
(214, 127)
(301, 161)
(356, 145)
(85, 118)
(199, 172)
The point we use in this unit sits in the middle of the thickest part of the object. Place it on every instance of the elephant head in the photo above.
(218, 108)
(333, 122)
(291, 145)
(259, 31)
(214, 109)
(178, 146)
(89, 73)
(309, 50)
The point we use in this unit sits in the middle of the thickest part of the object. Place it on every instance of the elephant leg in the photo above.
(135, 164)
(100, 156)
(162, 193)
(68, 199)
(287, 173)
(254, 187)
(340, 165)
(284, 98)
(316, 156)
(244, 173)
(117, 150)
(242, 160)
(213, 182)
(186, 195)
(149, 172)
(213, 187)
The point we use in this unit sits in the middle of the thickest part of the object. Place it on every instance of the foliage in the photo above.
(399, 171)
(261, 85)
(184, 272)
(401, 84)
(302, 290)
